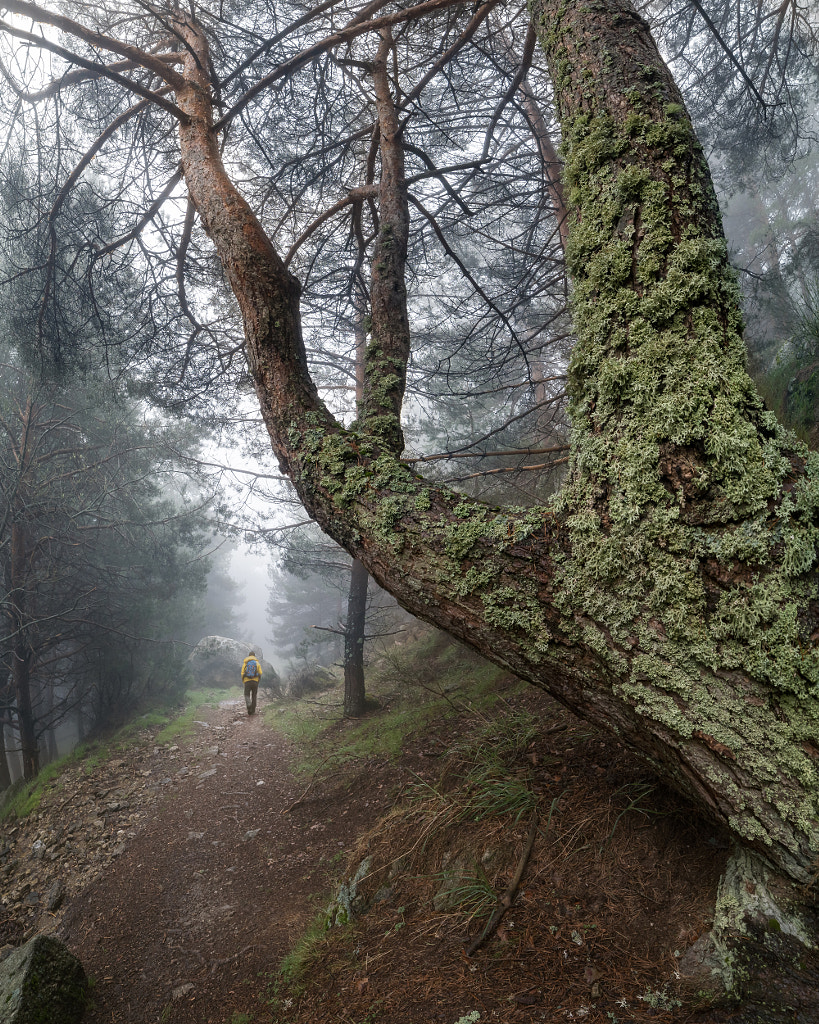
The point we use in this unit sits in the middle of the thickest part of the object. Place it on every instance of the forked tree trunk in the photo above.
(670, 593)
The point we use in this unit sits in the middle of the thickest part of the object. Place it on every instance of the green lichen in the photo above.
(517, 609)
(657, 379)
(423, 501)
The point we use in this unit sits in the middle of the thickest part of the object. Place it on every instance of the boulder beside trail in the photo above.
(310, 679)
(42, 981)
(217, 661)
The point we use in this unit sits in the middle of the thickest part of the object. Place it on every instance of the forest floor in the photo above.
(188, 871)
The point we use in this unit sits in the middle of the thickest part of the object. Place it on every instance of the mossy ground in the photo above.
(408, 688)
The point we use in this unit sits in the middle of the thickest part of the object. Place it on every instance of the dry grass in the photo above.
(620, 883)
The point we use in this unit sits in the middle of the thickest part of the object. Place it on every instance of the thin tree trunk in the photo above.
(354, 689)
(21, 654)
(5, 773)
(356, 621)
(379, 408)
(385, 361)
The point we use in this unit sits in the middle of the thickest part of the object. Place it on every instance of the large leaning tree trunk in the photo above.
(670, 593)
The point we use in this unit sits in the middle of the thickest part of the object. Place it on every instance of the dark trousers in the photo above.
(251, 689)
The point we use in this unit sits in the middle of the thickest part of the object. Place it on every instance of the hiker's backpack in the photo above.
(251, 669)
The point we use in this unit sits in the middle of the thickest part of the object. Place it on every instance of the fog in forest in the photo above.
(124, 539)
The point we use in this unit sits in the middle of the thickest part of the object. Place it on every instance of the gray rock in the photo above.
(42, 981)
(348, 903)
(311, 679)
(701, 964)
(54, 896)
(217, 661)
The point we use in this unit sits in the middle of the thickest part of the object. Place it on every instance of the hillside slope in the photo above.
(191, 867)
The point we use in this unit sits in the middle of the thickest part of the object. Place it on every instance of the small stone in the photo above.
(54, 896)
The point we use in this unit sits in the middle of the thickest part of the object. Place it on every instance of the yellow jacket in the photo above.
(258, 676)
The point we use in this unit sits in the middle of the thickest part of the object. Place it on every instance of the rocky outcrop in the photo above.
(217, 660)
(42, 981)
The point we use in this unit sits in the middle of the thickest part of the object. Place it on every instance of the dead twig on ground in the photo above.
(508, 897)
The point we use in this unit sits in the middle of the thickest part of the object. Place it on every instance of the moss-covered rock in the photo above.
(42, 982)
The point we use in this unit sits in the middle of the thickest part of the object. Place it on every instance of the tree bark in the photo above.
(354, 688)
(669, 594)
(385, 361)
(22, 655)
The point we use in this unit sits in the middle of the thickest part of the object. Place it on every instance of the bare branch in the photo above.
(730, 54)
(147, 217)
(345, 35)
(96, 70)
(355, 195)
(40, 15)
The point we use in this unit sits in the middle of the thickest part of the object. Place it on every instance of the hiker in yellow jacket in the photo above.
(251, 674)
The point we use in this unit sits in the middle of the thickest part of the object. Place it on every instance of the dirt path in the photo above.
(216, 885)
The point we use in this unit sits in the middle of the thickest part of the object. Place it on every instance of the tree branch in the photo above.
(508, 897)
(40, 15)
(100, 70)
(345, 35)
(148, 216)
